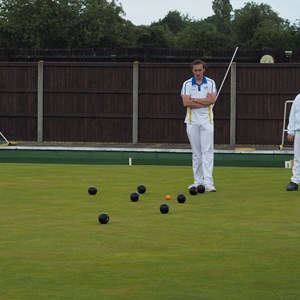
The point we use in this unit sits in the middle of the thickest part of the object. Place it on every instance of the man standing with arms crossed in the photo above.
(293, 130)
(198, 96)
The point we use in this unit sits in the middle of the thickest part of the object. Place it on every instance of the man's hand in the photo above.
(290, 138)
(198, 102)
(191, 103)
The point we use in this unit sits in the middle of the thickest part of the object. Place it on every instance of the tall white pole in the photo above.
(236, 49)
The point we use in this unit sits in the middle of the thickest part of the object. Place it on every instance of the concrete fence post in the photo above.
(40, 102)
(233, 105)
(135, 103)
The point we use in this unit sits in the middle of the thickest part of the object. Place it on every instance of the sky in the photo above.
(145, 12)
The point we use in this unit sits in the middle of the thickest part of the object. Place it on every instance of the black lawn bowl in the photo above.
(134, 197)
(92, 190)
(141, 189)
(164, 208)
(193, 191)
(103, 218)
(200, 189)
(181, 198)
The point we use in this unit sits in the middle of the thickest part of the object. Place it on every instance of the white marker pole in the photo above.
(236, 49)
(130, 161)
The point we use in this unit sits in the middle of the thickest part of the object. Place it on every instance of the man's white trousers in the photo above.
(296, 168)
(201, 138)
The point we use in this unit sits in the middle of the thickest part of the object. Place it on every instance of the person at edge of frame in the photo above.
(198, 96)
(293, 135)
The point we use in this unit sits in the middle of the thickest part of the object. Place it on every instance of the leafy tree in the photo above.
(203, 35)
(156, 36)
(294, 31)
(35, 23)
(222, 16)
(102, 23)
(130, 34)
(247, 19)
(174, 21)
(269, 34)
(61, 23)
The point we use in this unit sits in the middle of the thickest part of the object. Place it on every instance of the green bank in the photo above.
(141, 157)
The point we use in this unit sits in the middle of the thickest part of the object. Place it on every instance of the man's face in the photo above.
(198, 71)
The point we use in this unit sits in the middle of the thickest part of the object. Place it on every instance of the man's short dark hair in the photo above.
(198, 62)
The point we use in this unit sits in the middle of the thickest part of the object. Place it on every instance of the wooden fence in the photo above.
(139, 102)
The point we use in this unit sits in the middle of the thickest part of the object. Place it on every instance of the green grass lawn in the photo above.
(242, 242)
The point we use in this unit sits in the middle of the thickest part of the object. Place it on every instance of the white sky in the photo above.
(145, 12)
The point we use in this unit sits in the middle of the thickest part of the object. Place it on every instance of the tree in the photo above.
(294, 31)
(36, 23)
(203, 35)
(156, 36)
(174, 21)
(222, 15)
(269, 34)
(61, 23)
(102, 23)
(247, 19)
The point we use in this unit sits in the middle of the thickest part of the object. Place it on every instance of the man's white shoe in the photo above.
(210, 189)
(192, 185)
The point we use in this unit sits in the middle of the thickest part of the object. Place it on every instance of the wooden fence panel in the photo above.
(92, 102)
(160, 106)
(88, 102)
(161, 112)
(262, 90)
(18, 100)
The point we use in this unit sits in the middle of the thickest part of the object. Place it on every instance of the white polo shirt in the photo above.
(191, 88)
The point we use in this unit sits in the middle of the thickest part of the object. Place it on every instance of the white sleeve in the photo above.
(185, 89)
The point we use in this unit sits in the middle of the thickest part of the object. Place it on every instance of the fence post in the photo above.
(40, 100)
(135, 103)
(233, 105)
